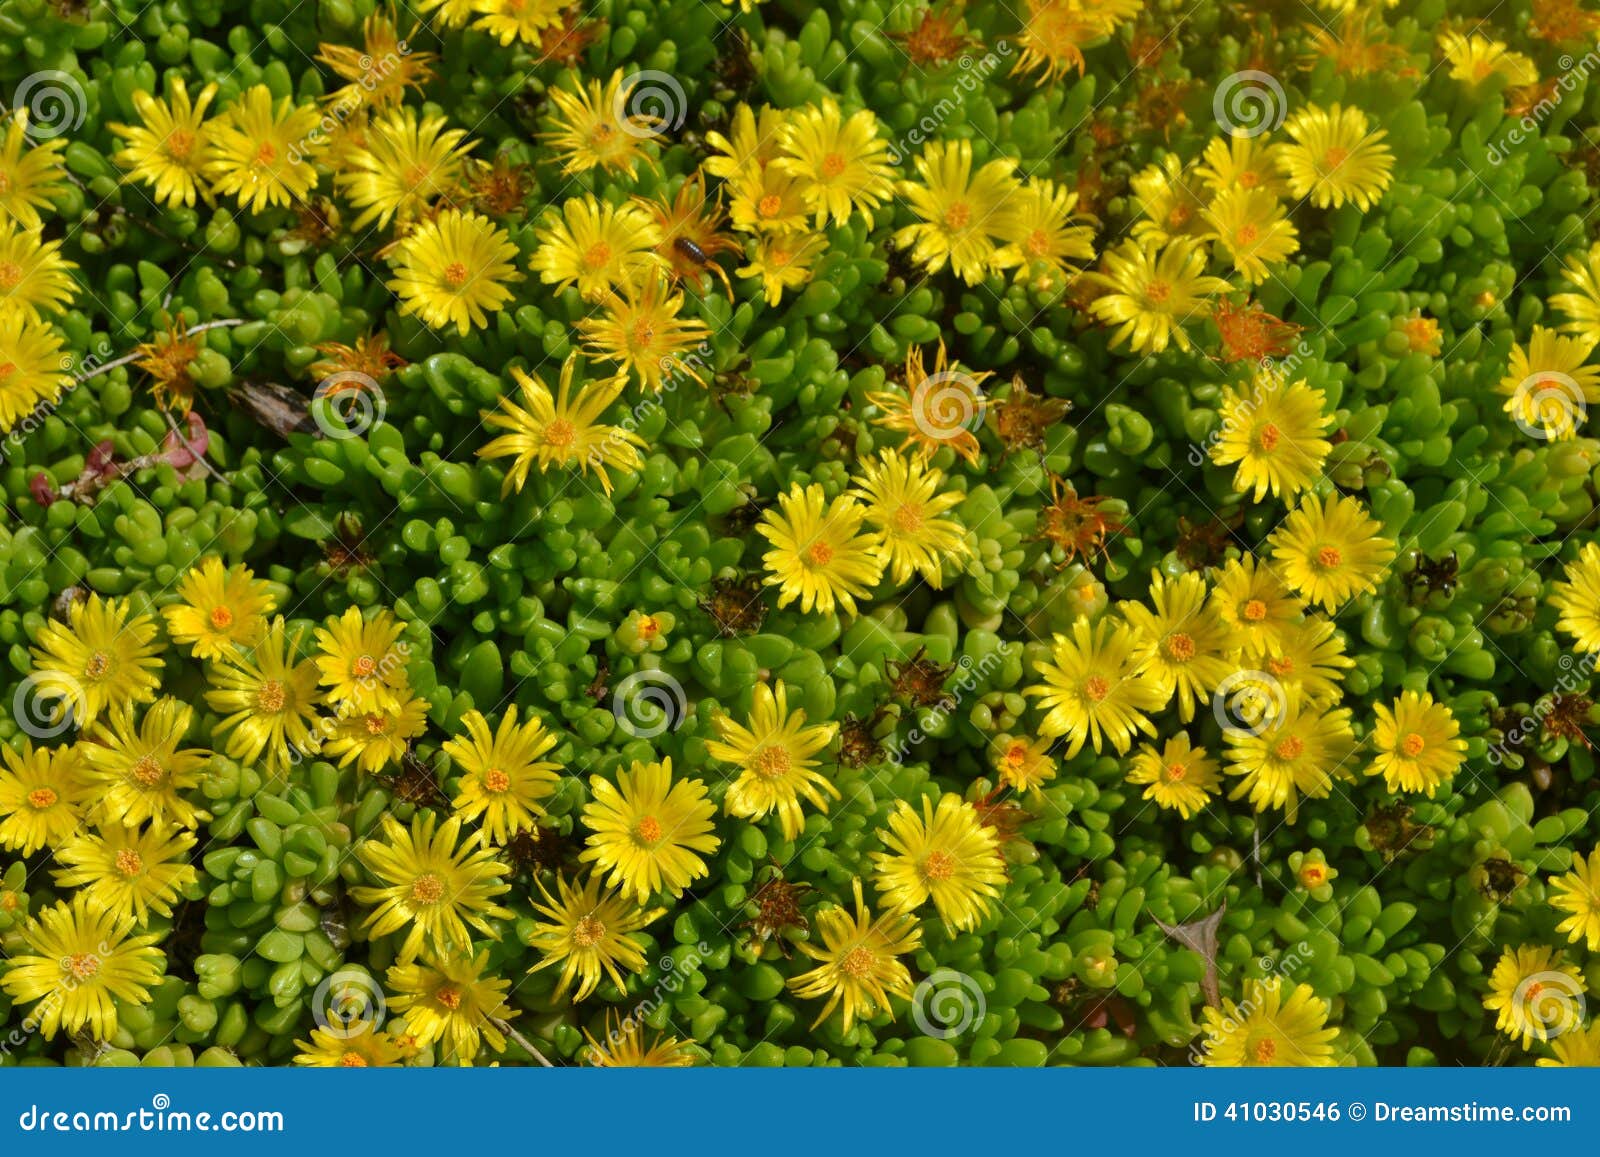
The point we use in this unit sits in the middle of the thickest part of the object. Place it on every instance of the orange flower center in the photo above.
(908, 519)
(588, 932)
(958, 216)
(649, 626)
(1268, 438)
(1329, 557)
(1179, 647)
(832, 165)
(180, 143)
(364, 666)
(1280, 666)
(1289, 747)
(455, 275)
(940, 865)
(129, 862)
(649, 830)
(771, 762)
(1412, 745)
(221, 618)
(270, 696)
(1266, 1050)
(43, 797)
(352, 1061)
(1038, 243)
(1179, 215)
(598, 256)
(769, 205)
(560, 432)
(1016, 754)
(1176, 772)
(857, 962)
(819, 554)
(1246, 235)
(83, 965)
(496, 780)
(418, 175)
(1335, 157)
(10, 274)
(449, 997)
(1096, 688)
(1255, 610)
(427, 889)
(1157, 292)
(1311, 875)
(1248, 178)
(99, 663)
(148, 771)
(266, 154)
(376, 725)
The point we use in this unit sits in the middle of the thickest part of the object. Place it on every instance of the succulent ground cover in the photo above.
(873, 533)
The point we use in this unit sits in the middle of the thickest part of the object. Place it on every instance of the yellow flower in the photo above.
(1253, 229)
(1048, 240)
(1579, 1048)
(768, 200)
(168, 150)
(1309, 655)
(1275, 434)
(1577, 893)
(453, 270)
(1254, 606)
(774, 755)
(1055, 32)
(30, 177)
(1419, 743)
(842, 164)
(592, 128)
(819, 555)
(1535, 994)
(641, 332)
(381, 69)
(370, 1048)
(561, 430)
(82, 961)
(1475, 58)
(964, 217)
(1269, 1030)
(362, 662)
(1295, 750)
(430, 887)
(1548, 384)
(1021, 764)
(1171, 208)
(647, 832)
(1182, 649)
(906, 509)
(268, 701)
(32, 367)
(33, 275)
(452, 1003)
(450, 13)
(1153, 294)
(103, 656)
(626, 1047)
(946, 855)
(43, 797)
(590, 934)
(1576, 595)
(1092, 691)
(1241, 162)
(139, 772)
(524, 20)
(859, 966)
(403, 164)
(223, 608)
(374, 739)
(1335, 158)
(783, 261)
(751, 144)
(597, 246)
(1180, 777)
(262, 154)
(938, 409)
(1580, 306)
(128, 871)
(504, 780)
(1330, 551)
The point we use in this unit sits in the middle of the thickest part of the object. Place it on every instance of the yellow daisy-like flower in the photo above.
(592, 129)
(1023, 764)
(262, 153)
(561, 430)
(1535, 994)
(31, 176)
(964, 217)
(362, 662)
(590, 934)
(371, 1048)
(1276, 435)
(139, 772)
(524, 20)
(1581, 306)
(447, 13)
(1154, 293)
(750, 145)
(128, 871)
(648, 833)
(102, 656)
(820, 555)
(1241, 162)
(432, 885)
(450, 1002)
(842, 163)
(168, 150)
(1093, 692)
(81, 961)
(1268, 1029)
(1419, 744)
(641, 331)
(453, 270)
(1577, 893)
(373, 740)
(1548, 384)
(627, 1047)
(403, 164)
(1295, 751)
(43, 797)
(783, 261)
(1170, 202)
(773, 752)
(905, 507)
(1180, 777)
(1309, 655)
(1182, 648)
(1475, 58)
(223, 608)
(946, 855)
(768, 200)
(504, 779)
(32, 367)
(1049, 241)
(380, 69)
(268, 701)
(1055, 33)
(939, 409)
(1330, 551)
(1576, 595)
(34, 280)
(859, 965)
(1579, 1048)
(1254, 230)
(1253, 606)
(1335, 158)
(599, 247)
